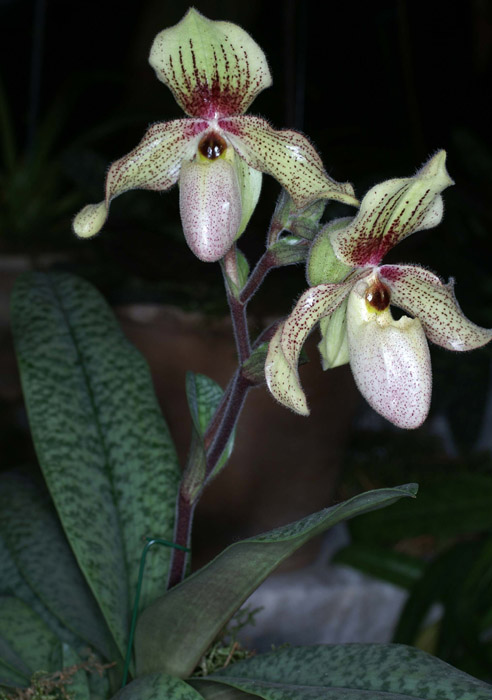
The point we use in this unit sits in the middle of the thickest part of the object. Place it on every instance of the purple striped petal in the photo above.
(213, 69)
(390, 212)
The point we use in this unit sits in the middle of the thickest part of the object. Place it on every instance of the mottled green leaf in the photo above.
(219, 691)
(28, 638)
(395, 567)
(352, 672)
(158, 686)
(101, 441)
(204, 396)
(78, 685)
(38, 547)
(174, 632)
(12, 583)
(13, 669)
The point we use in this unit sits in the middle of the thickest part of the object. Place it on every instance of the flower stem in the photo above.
(263, 267)
(227, 414)
(182, 537)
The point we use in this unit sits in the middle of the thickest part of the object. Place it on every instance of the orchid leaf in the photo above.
(102, 443)
(204, 396)
(219, 691)
(174, 632)
(352, 672)
(79, 683)
(27, 645)
(41, 568)
(158, 686)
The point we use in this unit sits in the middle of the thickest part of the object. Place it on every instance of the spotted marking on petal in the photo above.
(390, 212)
(213, 69)
(428, 298)
(153, 165)
(289, 157)
(156, 162)
(282, 379)
(313, 305)
(210, 206)
(390, 362)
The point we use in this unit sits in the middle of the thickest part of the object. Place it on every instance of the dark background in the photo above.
(377, 86)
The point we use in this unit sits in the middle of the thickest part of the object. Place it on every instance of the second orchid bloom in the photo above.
(390, 359)
(214, 70)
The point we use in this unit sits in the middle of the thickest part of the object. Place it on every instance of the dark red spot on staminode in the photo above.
(378, 295)
(212, 146)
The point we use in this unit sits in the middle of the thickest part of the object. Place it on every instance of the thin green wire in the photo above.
(150, 542)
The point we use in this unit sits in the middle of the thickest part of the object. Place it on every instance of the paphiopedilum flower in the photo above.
(389, 358)
(218, 155)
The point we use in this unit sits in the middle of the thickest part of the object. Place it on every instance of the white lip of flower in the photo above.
(389, 359)
(215, 70)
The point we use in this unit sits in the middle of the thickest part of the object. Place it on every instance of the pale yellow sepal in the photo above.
(333, 346)
(90, 220)
(250, 181)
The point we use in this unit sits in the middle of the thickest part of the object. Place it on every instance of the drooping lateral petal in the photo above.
(390, 361)
(282, 378)
(391, 211)
(210, 206)
(281, 371)
(425, 296)
(289, 157)
(314, 304)
(213, 69)
(153, 165)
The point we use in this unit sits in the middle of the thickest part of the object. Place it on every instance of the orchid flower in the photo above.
(218, 155)
(389, 358)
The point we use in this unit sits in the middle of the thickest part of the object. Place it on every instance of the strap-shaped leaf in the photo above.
(352, 672)
(104, 448)
(43, 559)
(12, 583)
(174, 632)
(26, 643)
(219, 691)
(78, 684)
(158, 686)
